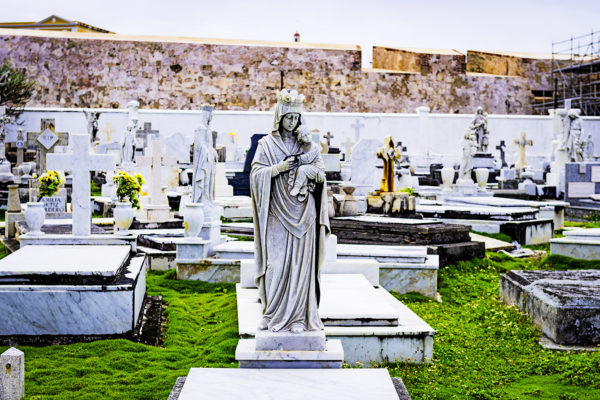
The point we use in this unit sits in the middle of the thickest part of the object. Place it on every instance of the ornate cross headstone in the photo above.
(328, 137)
(357, 125)
(389, 153)
(348, 144)
(80, 162)
(521, 144)
(46, 140)
(146, 133)
(502, 148)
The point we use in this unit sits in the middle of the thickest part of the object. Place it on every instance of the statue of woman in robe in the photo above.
(128, 147)
(469, 148)
(205, 160)
(290, 231)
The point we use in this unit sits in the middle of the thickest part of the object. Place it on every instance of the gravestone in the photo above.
(55, 204)
(502, 148)
(178, 147)
(80, 162)
(365, 175)
(522, 144)
(146, 135)
(46, 140)
(347, 145)
(156, 211)
(241, 180)
(582, 182)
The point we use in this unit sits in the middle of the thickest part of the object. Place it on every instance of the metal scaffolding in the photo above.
(576, 75)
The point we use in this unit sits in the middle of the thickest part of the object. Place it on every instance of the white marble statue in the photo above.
(205, 160)
(92, 123)
(572, 140)
(469, 148)
(289, 231)
(480, 129)
(128, 146)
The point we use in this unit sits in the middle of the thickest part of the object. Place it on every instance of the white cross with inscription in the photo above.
(80, 162)
(357, 125)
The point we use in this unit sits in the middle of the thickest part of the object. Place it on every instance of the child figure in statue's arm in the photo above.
(299, 179)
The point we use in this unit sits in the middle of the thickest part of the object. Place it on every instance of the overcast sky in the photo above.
(501, 25)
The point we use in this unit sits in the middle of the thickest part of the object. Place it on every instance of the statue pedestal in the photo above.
(483, 160)
(249, 356)
(191, 250)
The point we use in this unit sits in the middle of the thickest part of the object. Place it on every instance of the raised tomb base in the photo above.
(564, 305)
(71, 293)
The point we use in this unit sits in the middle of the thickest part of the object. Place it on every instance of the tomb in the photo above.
(580, 243)
(564, 305)
(76, 292)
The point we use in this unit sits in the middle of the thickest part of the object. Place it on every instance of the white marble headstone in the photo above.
(364, 166)
(178, 146)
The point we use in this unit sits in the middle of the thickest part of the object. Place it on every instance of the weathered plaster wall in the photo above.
(109, 70)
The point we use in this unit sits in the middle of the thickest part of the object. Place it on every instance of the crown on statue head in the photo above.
(290, 98)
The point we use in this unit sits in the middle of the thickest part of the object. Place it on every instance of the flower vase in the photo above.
(123, 216)
(482, 175)
(34, 216)
(193, 218)
(447, 178)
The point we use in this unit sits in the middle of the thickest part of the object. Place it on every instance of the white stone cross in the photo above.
(357, 125)
(521, 143)
(154, 161)
(80, 162)
(348, 144)
(146, 133)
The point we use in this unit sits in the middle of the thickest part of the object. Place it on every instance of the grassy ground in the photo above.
(482, 349)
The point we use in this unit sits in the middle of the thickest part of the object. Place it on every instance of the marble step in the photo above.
(289, 384)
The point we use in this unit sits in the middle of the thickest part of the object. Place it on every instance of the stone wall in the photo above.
(97, 70)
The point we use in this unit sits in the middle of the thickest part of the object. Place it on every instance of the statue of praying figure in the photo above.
(205, 160)
(480, 129)
(389, 153)
(290, 231)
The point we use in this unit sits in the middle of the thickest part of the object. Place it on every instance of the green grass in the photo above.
(590, 224)
(483, 349)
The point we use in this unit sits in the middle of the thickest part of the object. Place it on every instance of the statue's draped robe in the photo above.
(128, 148)
(205, 164)
(289, 240)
